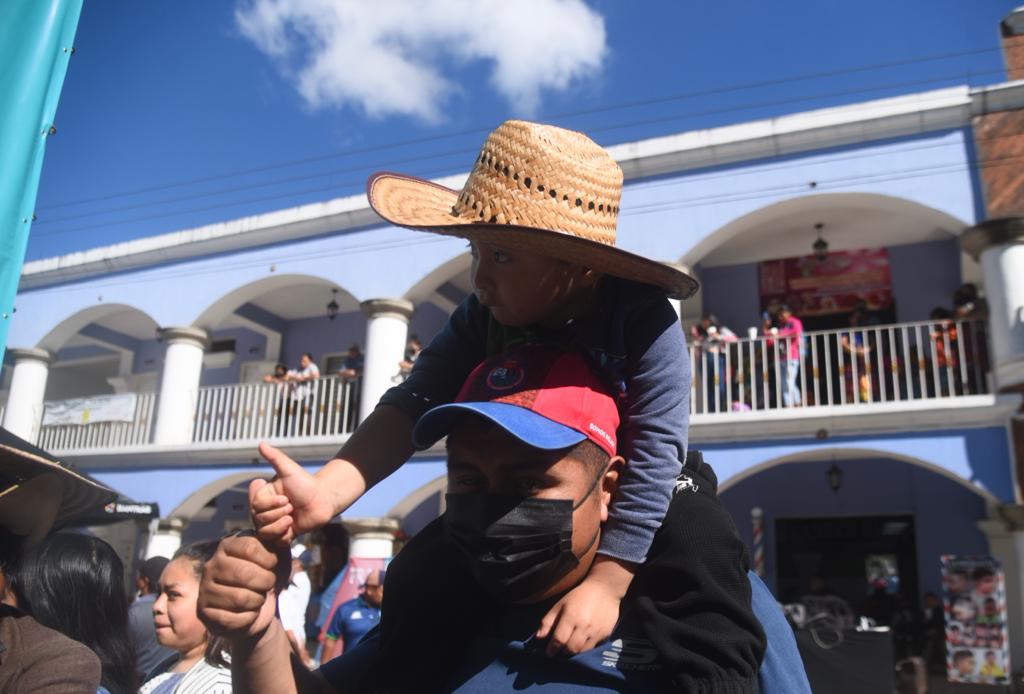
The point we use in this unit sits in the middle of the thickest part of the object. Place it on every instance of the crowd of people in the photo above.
(858, 363)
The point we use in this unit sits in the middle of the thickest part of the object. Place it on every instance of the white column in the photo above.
(999, 244)
(23, 414)
(371, 538)
(387, 329)
(164, 537)
(1006, 543)
(179, 384)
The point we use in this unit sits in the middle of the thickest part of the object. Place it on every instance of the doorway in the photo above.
(868, 561)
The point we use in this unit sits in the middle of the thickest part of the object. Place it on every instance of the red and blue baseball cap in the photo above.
(546, 396)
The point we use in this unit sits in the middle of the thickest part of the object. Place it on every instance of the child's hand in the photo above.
(582, 619)
(290, 504)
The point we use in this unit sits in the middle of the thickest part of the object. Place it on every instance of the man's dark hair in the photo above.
(151, 570)
(590, 454)
(308, 355)
(982, 572)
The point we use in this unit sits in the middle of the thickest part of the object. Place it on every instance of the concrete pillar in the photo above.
(1005, 533)
(164, 537)
(24, 410)
(387, 329)
(371, 538)
(999, 245)
(179, 384)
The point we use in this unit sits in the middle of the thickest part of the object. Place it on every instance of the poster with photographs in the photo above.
(975, 603)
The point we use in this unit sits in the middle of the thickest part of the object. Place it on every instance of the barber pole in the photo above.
(756, 521)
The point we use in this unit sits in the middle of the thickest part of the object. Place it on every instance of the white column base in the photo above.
(371, 538)
(164, 537)
(179, 385)
(23, 414)
(387, 329)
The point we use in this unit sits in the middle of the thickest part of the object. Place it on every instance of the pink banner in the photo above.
(813, 287)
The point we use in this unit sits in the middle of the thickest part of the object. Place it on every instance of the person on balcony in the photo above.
(944, 338)
(283, 401)
(858, 351)
(713, 338)
(789, 351)
(351, 372)
(304, 392)
(412, 350)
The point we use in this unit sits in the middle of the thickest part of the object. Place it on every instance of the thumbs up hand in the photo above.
(290, 504)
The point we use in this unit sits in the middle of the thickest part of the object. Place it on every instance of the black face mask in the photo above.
(516, 546)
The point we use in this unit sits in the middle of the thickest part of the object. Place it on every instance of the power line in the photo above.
(702, 201)
(353, 183)
(554, 117)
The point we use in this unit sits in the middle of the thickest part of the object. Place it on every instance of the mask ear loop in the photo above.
(590, 490)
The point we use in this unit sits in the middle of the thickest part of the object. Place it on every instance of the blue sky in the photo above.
(178, 114)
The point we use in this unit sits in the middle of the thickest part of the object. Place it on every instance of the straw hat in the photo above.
(38, 494)
(535, 188)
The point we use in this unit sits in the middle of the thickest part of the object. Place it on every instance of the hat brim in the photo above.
(535, 430)
(423, 205)
(21, 462)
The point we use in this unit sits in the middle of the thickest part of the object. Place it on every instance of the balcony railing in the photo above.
(109, 434)
(253, 411)
(850, 366)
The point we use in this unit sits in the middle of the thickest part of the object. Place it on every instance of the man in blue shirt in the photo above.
(354, 618)
(531, 471)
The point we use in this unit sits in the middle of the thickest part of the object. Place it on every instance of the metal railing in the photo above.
(103, 434)
(252, 411)
(849, 366)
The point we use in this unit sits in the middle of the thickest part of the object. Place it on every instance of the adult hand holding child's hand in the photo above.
(290, 504)
(237, 595)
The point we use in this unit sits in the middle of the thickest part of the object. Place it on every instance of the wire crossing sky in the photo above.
(175, 115)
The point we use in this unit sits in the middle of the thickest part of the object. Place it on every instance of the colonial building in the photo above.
(143, 362)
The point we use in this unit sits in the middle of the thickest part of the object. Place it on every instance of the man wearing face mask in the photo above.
(532, 466)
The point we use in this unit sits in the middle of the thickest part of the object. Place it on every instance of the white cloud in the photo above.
(389, 56)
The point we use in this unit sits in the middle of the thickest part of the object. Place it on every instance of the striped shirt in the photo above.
(201, 678)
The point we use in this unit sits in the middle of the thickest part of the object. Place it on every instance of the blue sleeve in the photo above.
(347, 669)
(652, 436)
(337, 624)
(782, 670)
(444, 364)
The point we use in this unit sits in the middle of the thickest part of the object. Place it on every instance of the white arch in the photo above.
(827, 454)
(198, 499)
(69, 326)
(406, 506)
(210, 317)
(851, 221)
(444, 272)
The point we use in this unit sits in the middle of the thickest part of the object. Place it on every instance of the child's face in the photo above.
(522, 289)
(965, 665)
(986, 585)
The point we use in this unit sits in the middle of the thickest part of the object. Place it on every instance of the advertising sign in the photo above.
(975, 604)
(813, 287)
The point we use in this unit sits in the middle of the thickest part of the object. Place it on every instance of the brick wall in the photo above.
(999, 138)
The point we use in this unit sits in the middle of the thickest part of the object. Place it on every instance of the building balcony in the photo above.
(924, 374)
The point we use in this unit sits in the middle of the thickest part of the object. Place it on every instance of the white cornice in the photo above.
(802, 132)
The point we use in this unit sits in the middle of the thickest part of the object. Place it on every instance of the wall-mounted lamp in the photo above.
(332, 307)
(820, 246)
(835, 477)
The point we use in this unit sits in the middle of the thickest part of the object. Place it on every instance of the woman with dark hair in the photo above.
(75, 584)
(202, 661)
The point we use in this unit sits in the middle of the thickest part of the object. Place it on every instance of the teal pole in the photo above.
(36, 43)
